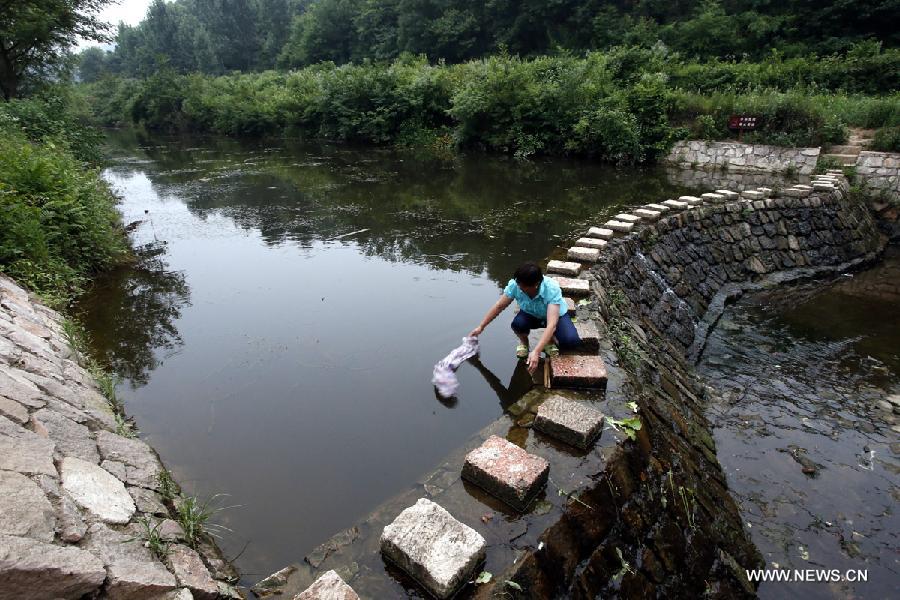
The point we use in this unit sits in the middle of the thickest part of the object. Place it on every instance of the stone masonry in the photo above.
(73, 491)
(735, 156)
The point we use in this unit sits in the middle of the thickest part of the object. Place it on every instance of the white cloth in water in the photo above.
(444, 378)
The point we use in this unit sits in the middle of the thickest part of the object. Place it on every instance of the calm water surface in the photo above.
(278, 336)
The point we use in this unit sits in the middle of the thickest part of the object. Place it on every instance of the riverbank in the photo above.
(86, 508)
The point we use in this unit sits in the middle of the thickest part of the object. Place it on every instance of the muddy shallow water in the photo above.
(278, 336)
(805, 389)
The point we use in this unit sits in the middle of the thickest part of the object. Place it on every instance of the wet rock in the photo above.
(438, 551)
(600, 233)
(40, 571)
(96, 490)
(506, 471)
(574, 287)
(619, 226)
(141, 465)
(71, 439)
(13, 411)
(336, 542)
(589, 335)
(587, 255)
(138, 580)
(273, 583)
(569, 421)
(591, 242)
(329, 586)
(577, 371)
(24, 508)
(24, 451)
(191, 572)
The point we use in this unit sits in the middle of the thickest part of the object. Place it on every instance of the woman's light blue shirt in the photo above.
(548, 293)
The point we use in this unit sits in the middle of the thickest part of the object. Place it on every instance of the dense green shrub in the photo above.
(887, 139)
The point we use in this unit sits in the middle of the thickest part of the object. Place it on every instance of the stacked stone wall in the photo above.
(879, 174)
(735, 156)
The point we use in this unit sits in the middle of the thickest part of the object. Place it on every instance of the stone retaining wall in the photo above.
(74, 494)
(734, 156)
(879, 173)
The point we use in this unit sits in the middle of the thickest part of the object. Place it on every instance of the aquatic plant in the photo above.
(194, 517)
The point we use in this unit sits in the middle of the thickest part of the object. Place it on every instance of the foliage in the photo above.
(153, 539)
(194, 517)
(887, 139)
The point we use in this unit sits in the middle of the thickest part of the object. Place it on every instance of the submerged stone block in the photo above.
(577, 370)
(329, 586)
(589, 242)
(564, 268)
(435, 549)
(590, 336)
(645, 213)
(506, 471)
(676, 204)
(574, 287)
(619, 226)
(601, 233)
(569, 421)
(589, 255)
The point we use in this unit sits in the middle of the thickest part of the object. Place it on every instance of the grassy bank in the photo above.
(626, 105)
(58, 222)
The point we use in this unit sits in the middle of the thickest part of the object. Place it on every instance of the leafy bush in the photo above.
(834, 131)
(887, 139)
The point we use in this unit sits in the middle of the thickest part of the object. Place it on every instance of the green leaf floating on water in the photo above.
(633, 406)
(513, 585)
(629, 426)
(483, 577)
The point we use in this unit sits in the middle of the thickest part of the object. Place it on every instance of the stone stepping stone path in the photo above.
(767, 192)
(506, 471)
(690, 200)
(577, 370)
(676, 204)
(574, 287)
(729, 195)
(586, 255)
(601, 233)
(589, 242)
(660, 208)
(620, 226)
(433, 548)
(713, 197)
(590, 336)
(647, 214)
(575, 423)
(329, 586)
(626, 218)
(752, 195)
(564, 268)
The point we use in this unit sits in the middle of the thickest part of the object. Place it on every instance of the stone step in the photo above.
(570, 304)
(752, 195)
(589, 335)
(626, 218)
(846, 159)
(564, 267)
(767, 192)
(329, 586)
(796, 192)
(585, 255)
(435, 549)
(713, 197)
(506, 472)
(661, 208)
(676, 204)
(729, 195)
(848, 149)
(573, 287)
(601, 233)
(577, 370)
(620, 226)
(690, 200)
(569, 421)
(648, 214)
(591, 242)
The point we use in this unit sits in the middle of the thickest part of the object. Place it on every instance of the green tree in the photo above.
(35, 36)
(92, 64)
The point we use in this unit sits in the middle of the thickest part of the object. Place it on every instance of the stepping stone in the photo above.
(661, 208)
(506, 471)
(589, 255)
(619, 226)
(803, 186)
(824, 187)
(626, 218)
(435, 549)
(767, 192)
(329, 586)
(834, 172)
(676, 204)
(564, 268)
(796, 193)
(600, 232)
(570, 304)
(589, 242)
(590, 336)
(577, 370)
(650, 215)
(752, 195)
(690, 200)
(713, 197)
(574, 287)
(569, 421)
(729, 195)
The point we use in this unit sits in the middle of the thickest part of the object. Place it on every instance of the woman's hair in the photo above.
(528, 274)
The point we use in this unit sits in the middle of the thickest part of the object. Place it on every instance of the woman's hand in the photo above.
(534, 358)
(476, 332)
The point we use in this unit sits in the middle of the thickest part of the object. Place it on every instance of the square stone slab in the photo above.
(506, 471)
(676, 204)
(619, 226)
(729, 195)
(590, 336)
(752, 195)
(601, 233)
(803, 186)
(649, 215)
(329, 586)
(713, 197)
(569, 421)
(626, 218)
(435, 549)
(796, 193)
(589, 242)
(574, 287)
(570, 305)
(662, 208)
(824, 187)
(577, 370)
(564, 268)
(588, 255)
(690, 200)
(767, 192)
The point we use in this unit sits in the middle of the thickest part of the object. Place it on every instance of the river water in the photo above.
(277, 338)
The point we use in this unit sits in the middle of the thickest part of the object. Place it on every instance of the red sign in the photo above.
(742, 122)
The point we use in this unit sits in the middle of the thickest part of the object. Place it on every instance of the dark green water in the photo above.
(278, 339)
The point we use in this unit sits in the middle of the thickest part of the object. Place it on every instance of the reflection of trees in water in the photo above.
(131, 314)
(476, 213)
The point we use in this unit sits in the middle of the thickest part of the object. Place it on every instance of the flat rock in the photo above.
(142, 467)
(272, 584)
(590, 336)
(569, 421)
(24, 451)
(729, 194)
(575, 287)
(767, 192)
(620, 226)
(589, 242)
(435, 549)
(626, 218)
(647, 214)
(329, 586)
(713, 197)
(40, 571)
(24, 508)
(690, 200)
(577, 370)
(676, 204)
(20, 389)
(601, 233)
(147, 501)
(752, 195)
(795, 193)
(138, 580)
(71, 525)
(660, 208)
(13, 411)
(71, 439)
(506, 471)
(588, 255)
(96, 490)
(570, 305)
(556, 266)
(191, 572)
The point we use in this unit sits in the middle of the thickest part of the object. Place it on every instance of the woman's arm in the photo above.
(498, 307)
(552, 321)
